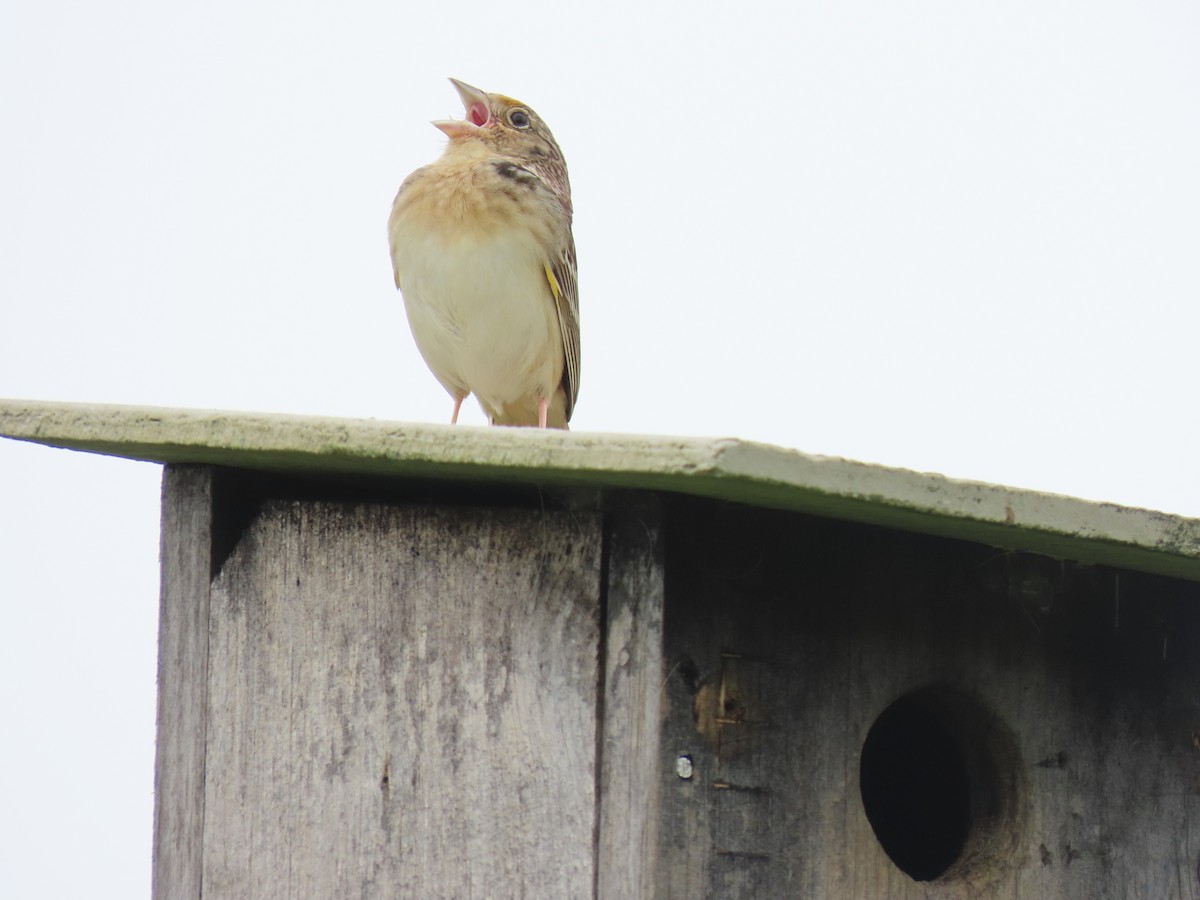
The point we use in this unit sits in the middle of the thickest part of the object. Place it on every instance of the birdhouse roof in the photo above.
(724, 469)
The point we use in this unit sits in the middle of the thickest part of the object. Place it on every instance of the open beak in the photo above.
(478, 113)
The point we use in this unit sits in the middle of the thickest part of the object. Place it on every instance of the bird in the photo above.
(484, 257)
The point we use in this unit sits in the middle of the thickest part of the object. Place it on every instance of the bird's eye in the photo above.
(518, 118)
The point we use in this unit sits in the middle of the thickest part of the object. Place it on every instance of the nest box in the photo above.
(424, 661)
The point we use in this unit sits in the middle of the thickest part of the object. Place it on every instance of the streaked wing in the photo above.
(566, 301)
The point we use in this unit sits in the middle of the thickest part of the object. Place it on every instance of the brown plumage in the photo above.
(483, 254)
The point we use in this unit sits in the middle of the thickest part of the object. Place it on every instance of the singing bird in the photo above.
(483, 254)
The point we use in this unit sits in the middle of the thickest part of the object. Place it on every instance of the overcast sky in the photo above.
(954, 237)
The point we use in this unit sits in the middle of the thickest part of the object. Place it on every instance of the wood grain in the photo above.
(187, 522)
(787, 636)
(403, 704)
(627, 846)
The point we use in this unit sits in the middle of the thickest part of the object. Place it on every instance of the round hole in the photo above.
(938, 780)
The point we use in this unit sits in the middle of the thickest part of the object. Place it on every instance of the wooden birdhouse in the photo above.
(424, 661)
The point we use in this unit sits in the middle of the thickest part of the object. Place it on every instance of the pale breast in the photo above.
(473, 279)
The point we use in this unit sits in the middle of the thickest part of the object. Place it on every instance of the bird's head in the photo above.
(506, 126)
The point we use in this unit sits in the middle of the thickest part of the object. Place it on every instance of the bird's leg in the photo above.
(542, 405)
(454, 415)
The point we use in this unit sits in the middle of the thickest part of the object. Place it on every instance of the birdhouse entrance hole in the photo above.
(938, 779)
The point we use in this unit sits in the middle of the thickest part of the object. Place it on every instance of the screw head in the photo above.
(683, 766)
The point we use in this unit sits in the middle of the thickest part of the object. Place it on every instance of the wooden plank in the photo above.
(722, 469)
(187, 505)
(1071, 688)
(404, 704)
(631, 759)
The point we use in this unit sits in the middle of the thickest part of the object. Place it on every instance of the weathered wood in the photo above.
(787, 637)
(187, 522)
(718, 468)
(403, 704)
(385, 699)
(627, 848)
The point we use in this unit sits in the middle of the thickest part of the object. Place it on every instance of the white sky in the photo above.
(955, 237)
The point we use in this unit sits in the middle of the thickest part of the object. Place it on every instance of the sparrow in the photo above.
(483, 255)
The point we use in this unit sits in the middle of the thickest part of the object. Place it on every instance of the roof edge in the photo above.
(717, 468)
